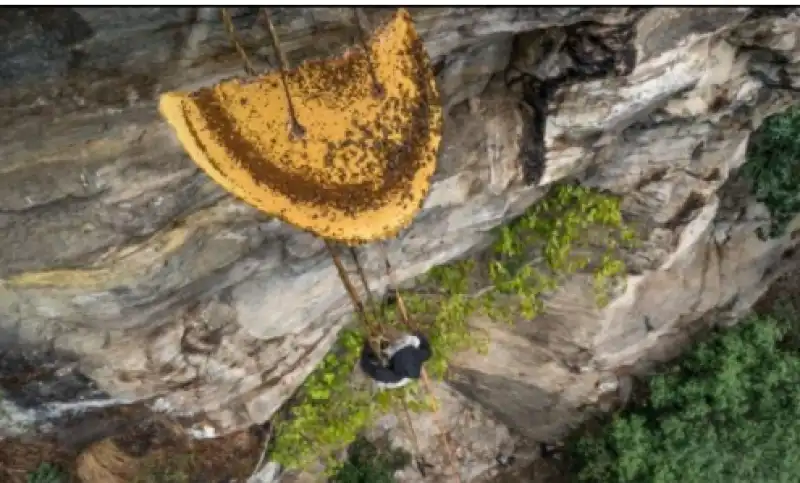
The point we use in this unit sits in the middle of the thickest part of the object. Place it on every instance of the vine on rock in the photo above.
(556, 237)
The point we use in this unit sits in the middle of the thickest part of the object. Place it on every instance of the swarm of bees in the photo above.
(354, 163)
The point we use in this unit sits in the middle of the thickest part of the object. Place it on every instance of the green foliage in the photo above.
(773, 168)
(46, 473)
(727, 413)
(553, 240)
(444, 315)
(367, 463)
(329, 412)
(530, 257)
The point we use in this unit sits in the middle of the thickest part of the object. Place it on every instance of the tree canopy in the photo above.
(728, 412)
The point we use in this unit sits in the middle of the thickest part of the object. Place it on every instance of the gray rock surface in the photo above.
(122, 261)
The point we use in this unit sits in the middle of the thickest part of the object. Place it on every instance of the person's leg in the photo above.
(393, 385)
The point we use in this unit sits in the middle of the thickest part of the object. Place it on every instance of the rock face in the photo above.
(122, 262)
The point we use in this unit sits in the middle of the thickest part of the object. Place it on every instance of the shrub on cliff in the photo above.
(773, 168)
(726, 413)
(555, 238)
(370, 463)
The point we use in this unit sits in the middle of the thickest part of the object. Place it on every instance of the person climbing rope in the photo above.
(405, 358)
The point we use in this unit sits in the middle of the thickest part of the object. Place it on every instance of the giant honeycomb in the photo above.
(361, 171)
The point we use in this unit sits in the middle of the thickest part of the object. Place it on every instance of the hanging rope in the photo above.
(231, 31)
(296, 130)
(371, 325)
(425, 380)
(420, 461)
(351, 291)
(376, 312)
(377, 88)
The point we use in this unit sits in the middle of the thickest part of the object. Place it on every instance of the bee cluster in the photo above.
(371, 126)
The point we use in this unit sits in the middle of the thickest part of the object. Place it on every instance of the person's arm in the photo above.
(372, 366)
(424, 346)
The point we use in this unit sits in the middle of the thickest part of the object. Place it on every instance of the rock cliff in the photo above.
(127, 275)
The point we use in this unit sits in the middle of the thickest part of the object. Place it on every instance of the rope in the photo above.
(231, 31)
(377, 88)
(420, 460)
(425, 380)
(372, 330)
(376, 313)
(296, 130)
(365, 283)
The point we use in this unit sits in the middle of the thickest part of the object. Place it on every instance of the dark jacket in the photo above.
(405, 360)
